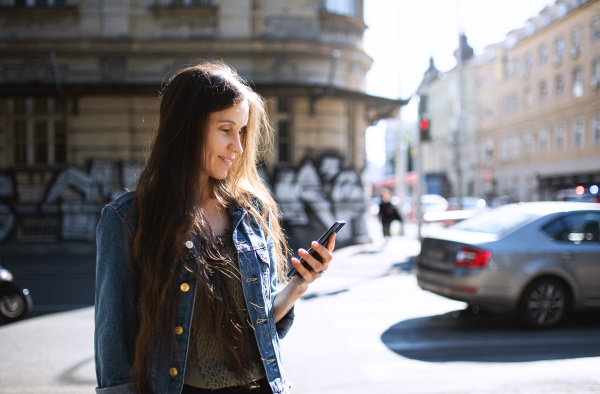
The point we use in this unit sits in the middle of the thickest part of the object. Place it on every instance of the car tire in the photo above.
(544, 303)
(13, 307)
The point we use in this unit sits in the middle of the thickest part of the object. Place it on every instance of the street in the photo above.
(57, 282)
(364, 327)
(369, 328)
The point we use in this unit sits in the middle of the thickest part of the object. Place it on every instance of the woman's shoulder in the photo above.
(121, 204)
(115, 215)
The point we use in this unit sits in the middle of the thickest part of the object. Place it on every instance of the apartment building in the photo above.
(539, 105)
(79, 83)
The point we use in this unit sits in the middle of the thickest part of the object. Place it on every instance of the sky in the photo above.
(403, 34)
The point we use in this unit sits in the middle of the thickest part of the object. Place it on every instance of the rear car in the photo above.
(538, 259)
(15, 301)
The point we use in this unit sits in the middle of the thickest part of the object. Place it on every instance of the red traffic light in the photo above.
(424, 125)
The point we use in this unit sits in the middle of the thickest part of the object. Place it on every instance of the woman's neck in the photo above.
(216, 215)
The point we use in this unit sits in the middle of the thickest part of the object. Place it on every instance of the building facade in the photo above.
(447, 103)
(79, 84)
(530, 111)
(539, 111)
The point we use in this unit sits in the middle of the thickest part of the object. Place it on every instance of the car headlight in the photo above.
(6, 275)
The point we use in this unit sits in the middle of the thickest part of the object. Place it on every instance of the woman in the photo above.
(188, 264)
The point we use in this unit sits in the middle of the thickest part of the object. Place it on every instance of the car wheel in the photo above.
(544, 303)
(13, 306)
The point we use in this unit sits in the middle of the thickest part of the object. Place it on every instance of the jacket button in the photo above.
(184, 287)
(178, 330)
(173, 371)
(189, 244)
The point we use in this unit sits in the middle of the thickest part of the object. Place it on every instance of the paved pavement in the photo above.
(54, 354)
(340, 342)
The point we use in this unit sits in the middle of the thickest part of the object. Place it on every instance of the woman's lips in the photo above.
(227, 160)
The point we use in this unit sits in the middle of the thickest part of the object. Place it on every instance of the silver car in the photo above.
(539, 259)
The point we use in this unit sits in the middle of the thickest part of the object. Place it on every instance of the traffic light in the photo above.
(424, 127)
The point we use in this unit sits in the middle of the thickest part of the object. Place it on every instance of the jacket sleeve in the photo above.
(115, 311)
(284, 325)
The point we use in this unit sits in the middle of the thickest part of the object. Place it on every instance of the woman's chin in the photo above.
(219, 177)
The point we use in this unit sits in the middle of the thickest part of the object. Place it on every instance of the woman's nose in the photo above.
(236, 144)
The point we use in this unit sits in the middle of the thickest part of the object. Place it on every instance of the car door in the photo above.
(576, 240)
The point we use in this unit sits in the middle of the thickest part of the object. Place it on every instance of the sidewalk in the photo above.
(54, 354)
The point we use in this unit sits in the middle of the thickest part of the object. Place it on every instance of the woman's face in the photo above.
(223, 140)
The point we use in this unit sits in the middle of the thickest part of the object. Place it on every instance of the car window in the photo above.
(575, 228)
(496, 221)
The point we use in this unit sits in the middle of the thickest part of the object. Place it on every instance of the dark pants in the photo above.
(263, 388)
(385, 224)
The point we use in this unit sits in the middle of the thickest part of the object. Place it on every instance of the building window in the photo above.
(515, 67)
(509, 103)
(543, 55)
(543, 91)
(503, 149)
(516, 188)
(505, 68)
(559, 85)
(488, 151)
(559, 50)
(527, 96)
(544, 141)
(576, 41)
(578, 82)
(342, 7)
(487, 81)
(578, 133)
(37, 132)
(283, 130)
(530, 186)
(596, 130)
(595, 74)
(486, 111)
(528, 144)
(510, 148)
(595, 29)
(527, 65)
(516, 147)
(560, 137)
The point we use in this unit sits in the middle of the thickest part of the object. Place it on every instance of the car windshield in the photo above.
(495, 222)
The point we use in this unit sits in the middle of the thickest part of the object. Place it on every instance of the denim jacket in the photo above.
(116, 311)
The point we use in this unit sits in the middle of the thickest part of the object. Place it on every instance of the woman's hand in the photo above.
(298, 284)
(306, 276)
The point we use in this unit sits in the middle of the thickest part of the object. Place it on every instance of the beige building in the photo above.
(79, 81)
(450, 152)
(539, 105)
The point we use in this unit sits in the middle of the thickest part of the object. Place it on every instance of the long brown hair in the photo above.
(168, 194)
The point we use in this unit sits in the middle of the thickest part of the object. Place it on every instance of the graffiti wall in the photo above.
(316, 194)
(45, 205)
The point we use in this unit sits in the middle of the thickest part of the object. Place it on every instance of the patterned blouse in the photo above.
(207, 366)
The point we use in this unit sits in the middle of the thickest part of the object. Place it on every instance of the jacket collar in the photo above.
(237, 213)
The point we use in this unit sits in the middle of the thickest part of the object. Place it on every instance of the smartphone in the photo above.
(323, 241)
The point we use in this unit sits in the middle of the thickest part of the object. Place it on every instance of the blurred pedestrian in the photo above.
(388, 213)
(188, 264)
